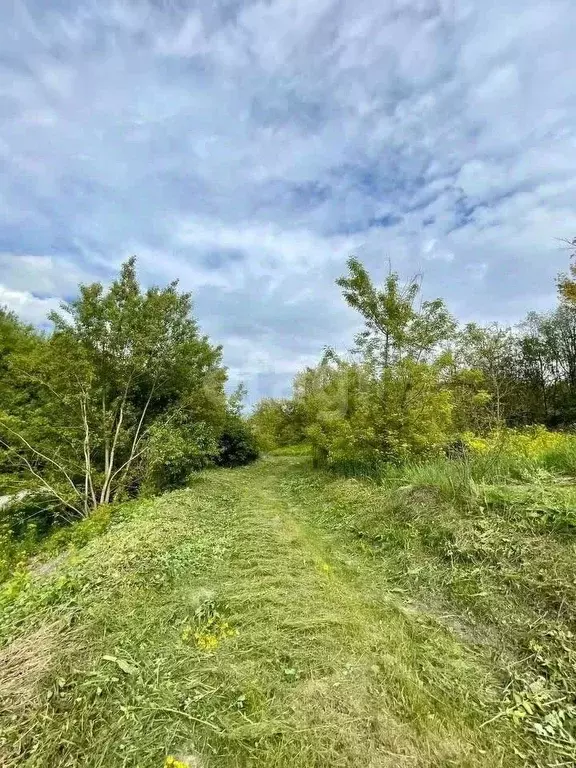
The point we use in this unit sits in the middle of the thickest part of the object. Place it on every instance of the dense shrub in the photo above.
(278, 423)
(175, 450)
(237, 445)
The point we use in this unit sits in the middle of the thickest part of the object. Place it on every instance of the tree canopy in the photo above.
(125, 382)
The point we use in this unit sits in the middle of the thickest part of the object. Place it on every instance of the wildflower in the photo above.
(172, 762)
(209, 636)
(206, 641)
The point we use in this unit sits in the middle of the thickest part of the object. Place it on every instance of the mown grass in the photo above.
(226, 625)
(487, 542)
(29, 539)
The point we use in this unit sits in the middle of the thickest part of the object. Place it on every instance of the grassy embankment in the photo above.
(277, 616)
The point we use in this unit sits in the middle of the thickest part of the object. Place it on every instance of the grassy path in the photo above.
(222, 626)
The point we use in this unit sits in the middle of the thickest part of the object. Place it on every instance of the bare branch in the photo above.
(88, 483)
(42, 456)
(42, 480)
(137, 437)
(127, 463)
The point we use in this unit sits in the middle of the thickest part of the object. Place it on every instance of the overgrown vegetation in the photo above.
(415, 383)
(124, 396)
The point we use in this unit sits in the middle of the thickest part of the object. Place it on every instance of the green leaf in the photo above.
(127, 668)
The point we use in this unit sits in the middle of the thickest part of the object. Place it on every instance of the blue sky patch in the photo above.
(248, 148)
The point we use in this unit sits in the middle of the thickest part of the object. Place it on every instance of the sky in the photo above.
(249, 148)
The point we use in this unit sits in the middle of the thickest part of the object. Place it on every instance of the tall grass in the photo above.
(489, 538)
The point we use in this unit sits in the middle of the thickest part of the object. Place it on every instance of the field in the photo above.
(279, 616)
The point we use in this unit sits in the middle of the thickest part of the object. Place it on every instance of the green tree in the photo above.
(566, 283)
(547, 365)
(277, 422)
(486, 358)
(119, 360)
(396, 326)
(388, 401)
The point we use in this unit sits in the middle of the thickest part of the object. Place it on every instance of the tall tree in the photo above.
(118, 360)
(396, 325)
(388, 401)
(491, 351)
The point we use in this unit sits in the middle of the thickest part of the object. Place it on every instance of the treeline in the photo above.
(416, 382)
(124, 396)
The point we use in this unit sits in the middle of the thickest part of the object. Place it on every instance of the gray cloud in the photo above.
(249, 148)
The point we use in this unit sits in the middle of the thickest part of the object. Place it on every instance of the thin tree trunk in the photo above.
(137, 437)
(89, 492)
(105, 493)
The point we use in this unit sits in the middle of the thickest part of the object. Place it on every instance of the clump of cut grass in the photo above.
(24, 663)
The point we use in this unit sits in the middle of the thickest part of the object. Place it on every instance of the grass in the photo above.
(487, 544)
(31, 533)
(246, 621)
(299, 449)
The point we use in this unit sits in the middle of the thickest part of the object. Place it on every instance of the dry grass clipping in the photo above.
(24, 664)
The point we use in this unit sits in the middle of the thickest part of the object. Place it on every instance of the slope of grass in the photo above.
(490, 550)
(266, 616)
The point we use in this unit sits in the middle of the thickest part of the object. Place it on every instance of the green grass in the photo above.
(29, 539)
(274, 616)
(493, 557)
(299, 449)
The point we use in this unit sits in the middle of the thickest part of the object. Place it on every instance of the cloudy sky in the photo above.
(248, 148)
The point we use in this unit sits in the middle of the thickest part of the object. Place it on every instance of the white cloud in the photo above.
(250, 147)
(28, 307)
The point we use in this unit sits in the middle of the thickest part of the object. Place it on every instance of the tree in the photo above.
(19, 391)
(490, 353)
(237, 444)
(547, 365)
(396, 327)
(118, 361)
(389, 400)
(566, 284)
(276, 423)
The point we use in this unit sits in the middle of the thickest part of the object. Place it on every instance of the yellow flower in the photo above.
(208, 636)
(206, 642)
(172, 762)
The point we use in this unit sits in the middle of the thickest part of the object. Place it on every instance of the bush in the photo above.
(174, 451)
(237, 444)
